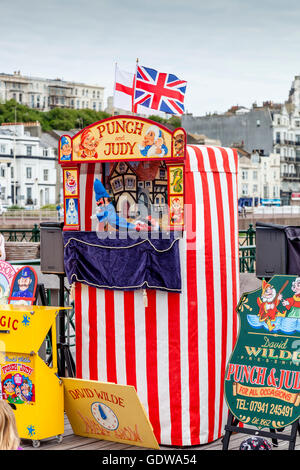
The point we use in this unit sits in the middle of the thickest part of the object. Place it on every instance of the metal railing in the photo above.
(21, 234)
(247, 250)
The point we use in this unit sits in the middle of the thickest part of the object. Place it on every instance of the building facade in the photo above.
(45, 94)
(259, 179)
(265, 130)
(28, 173)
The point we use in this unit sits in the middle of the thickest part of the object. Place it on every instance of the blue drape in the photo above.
(115, 262)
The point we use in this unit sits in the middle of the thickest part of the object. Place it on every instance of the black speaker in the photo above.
(271, 250)
(52, 248)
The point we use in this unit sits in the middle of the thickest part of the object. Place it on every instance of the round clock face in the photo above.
(105, 416)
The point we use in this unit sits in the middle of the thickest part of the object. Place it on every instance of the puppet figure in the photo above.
(268, 303)
(106, 212)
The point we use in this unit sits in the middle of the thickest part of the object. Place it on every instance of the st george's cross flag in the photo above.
(124, 89)
(160, 91)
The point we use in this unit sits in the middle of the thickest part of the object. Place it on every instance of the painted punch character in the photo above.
(65, 149)
(153, 143)
(292, 304)
(88, 145)
(268, 303)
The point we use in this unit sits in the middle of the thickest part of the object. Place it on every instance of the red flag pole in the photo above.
(134, 107)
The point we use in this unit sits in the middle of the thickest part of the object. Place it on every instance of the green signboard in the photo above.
(262, 380)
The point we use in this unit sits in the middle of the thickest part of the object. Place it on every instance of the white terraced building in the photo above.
(28, 168)
(45, 93)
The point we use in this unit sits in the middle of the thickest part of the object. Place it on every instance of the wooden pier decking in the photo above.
(72, 442)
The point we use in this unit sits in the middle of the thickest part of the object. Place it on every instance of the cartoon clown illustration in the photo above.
(65, 149)
(70, 184)
(268, 303)
(88, 145)
(292, 304)
(153, 143)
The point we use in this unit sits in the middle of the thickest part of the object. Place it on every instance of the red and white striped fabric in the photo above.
(175, 350)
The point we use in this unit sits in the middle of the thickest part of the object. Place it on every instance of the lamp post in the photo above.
(15, 160)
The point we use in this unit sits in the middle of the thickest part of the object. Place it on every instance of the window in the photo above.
(28, 172)
(28, 150)
(255, 174)
(11, 171)
(2, 148)
(130, 183)
(29, 195)
(2, 172)
(46, 174)
(245, 189)
(162, 174)
(244, 174)
(255, 188)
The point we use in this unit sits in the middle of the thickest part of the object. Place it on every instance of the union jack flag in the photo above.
(161, 91)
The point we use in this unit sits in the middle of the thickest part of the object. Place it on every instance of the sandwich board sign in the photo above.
(262, 379)
(107, 411)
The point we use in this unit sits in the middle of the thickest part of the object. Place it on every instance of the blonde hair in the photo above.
(9, 437)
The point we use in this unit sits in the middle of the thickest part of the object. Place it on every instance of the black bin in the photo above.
(277, 250)
(52, 248)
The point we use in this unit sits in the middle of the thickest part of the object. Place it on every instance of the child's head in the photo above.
(9, 438)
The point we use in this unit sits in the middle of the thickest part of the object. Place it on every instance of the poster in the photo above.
(17, 378)
(262, 379)
(107, 411)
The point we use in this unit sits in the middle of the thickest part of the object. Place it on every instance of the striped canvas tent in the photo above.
(175, 350)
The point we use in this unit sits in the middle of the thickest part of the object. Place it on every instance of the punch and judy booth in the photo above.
(151, 244)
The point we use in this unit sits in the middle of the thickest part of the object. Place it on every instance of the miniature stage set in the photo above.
(151, 247)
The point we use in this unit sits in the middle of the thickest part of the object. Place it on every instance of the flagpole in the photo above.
(113, 108)
(134, 82)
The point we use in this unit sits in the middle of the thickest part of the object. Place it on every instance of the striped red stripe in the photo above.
(129, 338)
(175, 368)
(78, 323)
(110, 336)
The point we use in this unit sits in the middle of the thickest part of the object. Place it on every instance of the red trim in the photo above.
(110, 336)
(175, 368)
(151, 362)
(129, 327)
(88, 197)
(78, 322)
(192, 308)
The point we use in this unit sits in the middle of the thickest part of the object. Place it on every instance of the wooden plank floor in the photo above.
(72, 442)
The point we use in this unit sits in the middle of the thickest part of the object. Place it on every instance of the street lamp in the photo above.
(15, 160)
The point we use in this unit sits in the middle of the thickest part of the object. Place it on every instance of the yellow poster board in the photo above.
(107, 411)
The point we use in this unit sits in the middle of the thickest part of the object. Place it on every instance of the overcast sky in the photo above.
(229, 51)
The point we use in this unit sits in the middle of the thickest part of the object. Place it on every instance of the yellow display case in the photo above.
(31, 386)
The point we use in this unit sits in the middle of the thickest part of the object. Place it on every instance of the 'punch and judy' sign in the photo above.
(262, 380)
